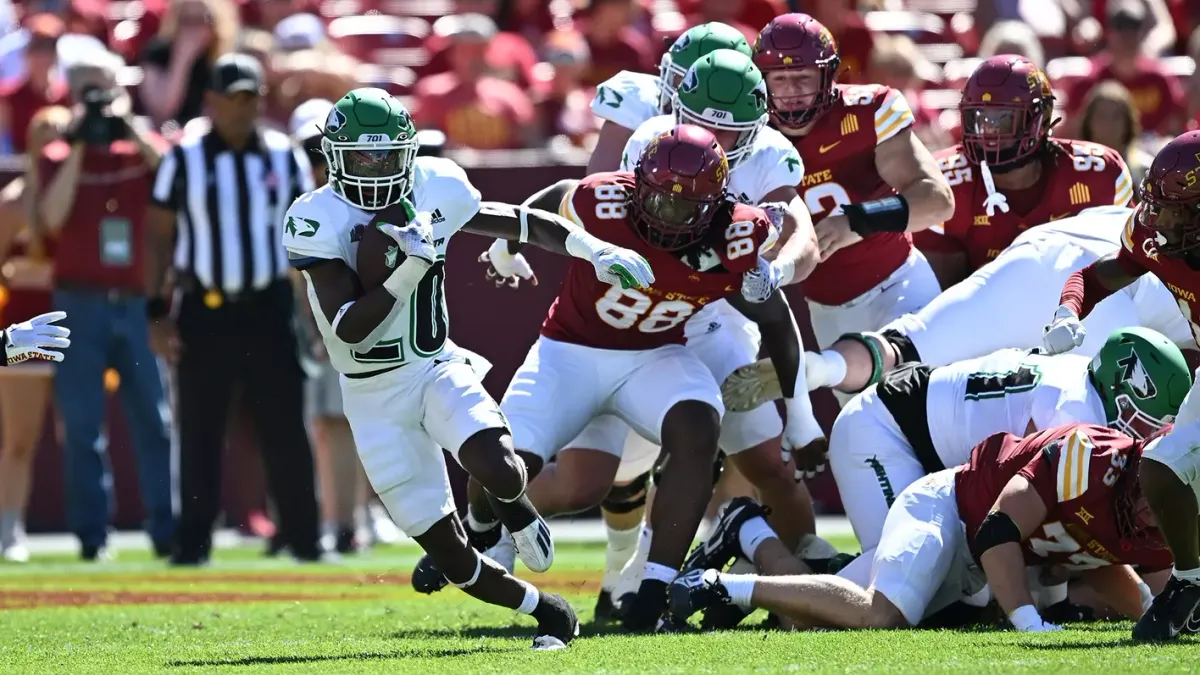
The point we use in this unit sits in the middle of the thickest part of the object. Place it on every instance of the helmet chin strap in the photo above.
(994, 200)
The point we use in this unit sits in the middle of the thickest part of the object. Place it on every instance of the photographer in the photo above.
(92, 192)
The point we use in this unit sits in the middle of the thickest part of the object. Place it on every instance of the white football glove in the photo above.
(1027, 620)
(775, 211)
(616, 265)
(803, 439)
(415, 239)
(759, 283)
(36, 339)
(1065, 332)
(506, 269)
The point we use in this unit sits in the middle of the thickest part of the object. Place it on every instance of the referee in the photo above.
(219, 199)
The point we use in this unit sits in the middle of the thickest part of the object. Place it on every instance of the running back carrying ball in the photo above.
(378, 255)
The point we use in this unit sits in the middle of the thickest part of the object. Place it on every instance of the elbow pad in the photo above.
(997, 529)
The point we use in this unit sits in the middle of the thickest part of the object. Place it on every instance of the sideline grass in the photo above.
(247, 615)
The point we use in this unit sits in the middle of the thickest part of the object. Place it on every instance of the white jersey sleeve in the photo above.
(627, 99)
(313, 229)
(441, 188)
(771, 164)
(646, 132)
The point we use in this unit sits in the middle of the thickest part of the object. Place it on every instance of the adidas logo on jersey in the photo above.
(437, 217)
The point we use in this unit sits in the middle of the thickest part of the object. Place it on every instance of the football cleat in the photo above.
(1174, 611)
(723, 617)
(722, 545)
(534, 545)
(751, 386)
(504, 553)
(643, 612)
(695, 591)
(605, 609)
(557, 623)
(426, 577)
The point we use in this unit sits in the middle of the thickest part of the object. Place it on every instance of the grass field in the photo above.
(247, 615)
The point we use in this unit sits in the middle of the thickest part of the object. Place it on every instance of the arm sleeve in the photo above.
(893, 116)
(165, 191)
(1123, 187)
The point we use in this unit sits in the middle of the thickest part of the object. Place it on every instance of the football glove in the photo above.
(414, 239)
(615, 265)
(36, 339)
(759, 283)
(1065, 332)
(504, 268)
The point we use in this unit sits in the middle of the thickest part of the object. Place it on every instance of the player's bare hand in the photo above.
(164, 339)
(810, 460)
(615, 265)
(834, 234)
(506, 269)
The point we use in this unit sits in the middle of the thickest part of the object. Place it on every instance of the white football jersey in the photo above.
(1005, 391)
(1100, 225)
(322, 225)
(627, 99)
(772, 162)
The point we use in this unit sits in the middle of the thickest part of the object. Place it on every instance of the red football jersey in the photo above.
(1139, 251)
(1081, 176)
(594, 314)
(1075, 469)
(839, 164)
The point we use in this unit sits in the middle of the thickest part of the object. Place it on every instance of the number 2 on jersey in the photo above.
(623, 307)
(816, 197)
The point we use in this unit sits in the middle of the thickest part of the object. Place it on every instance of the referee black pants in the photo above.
(250, 342)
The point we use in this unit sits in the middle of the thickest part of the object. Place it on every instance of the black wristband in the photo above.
(3, 348)
(156, 308)
(889, 214)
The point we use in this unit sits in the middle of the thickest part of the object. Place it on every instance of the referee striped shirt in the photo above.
(230, 205)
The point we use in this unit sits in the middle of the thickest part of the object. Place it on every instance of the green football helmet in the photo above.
(724, 91)
(696, 42)
(370, 145)
(1142, 378)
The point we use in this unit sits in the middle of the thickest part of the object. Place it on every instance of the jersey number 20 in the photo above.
(427, 324)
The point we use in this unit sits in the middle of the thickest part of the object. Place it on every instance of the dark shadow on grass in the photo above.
(518, 631)
(1122, 642)
(360, 656)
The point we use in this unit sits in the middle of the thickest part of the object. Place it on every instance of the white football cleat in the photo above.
(751, 386)
(504, 552)
(17, 553)
(534, 545)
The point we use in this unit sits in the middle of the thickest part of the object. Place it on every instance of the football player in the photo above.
(409, 391)
(609, 350)
(1067, 496)
(1009, 173)
(1031, 269)
(1162, 237)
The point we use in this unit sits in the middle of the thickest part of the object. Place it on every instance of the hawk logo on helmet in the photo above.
(691, 82)
(1133, 372)
(682, 43)
(335, 121)
(760, 93)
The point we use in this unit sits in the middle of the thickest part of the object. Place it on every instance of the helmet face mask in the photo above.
(797, 43)
(724, 91)
(691, 46)
(1141, 378)
(1136, 423)
(1170, 196)
(682, 177)
(1006, 108)
(370, 146)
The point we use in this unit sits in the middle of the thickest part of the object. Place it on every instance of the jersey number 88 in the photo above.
(621, 308)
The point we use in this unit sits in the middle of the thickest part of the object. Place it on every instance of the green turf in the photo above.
(361, 617)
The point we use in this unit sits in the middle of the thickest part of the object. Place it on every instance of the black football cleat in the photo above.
(426, 577)
(642, 612)
(695, 591)
(605, 610)
(1174, 611)
(723, 617)
(722, 545)
(557, 623)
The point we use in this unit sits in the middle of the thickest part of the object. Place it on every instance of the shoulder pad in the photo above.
(775, 161)
(442, 189)
(627, 99)
(310, 229)
(598, 200)
(1072, 458)
(892, 114)
(641, 137)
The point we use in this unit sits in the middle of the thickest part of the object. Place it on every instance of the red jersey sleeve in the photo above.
(1138, 250)
(748, 235)
(947, 237)
(598, 201)
(1083, 463)
(1102, 178)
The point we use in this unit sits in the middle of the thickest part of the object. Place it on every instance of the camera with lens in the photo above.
(99, 126)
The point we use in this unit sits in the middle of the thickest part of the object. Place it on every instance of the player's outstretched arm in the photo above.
(1016, 515)
(906, 164)
(357, 321)
(1082, 291)
(556, 234)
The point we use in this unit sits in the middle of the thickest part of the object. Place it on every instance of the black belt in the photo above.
(905, 393)
(373, 373)
(215, 298)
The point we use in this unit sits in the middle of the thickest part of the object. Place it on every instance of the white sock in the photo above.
(477, 526)
(620, 549)
(1190, 576)
(1052, 595)
(740, 587)
(753, 533)
(834, 369)
(659, 573)
(532, 596)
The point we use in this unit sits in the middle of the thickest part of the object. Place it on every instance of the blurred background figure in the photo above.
(613, 43)
(1012, 37)
(1110, 118)
(473, 108)
(176, 64)
(564, 108)
(91, 188)
(40, 85)
(24, 389)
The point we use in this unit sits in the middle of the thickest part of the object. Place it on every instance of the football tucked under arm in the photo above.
(358, 318)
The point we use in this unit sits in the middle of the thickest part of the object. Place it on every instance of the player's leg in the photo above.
(24, 400)
(671, 397)
(1169, 473)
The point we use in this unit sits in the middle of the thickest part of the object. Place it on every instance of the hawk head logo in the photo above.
(681, 43)
(335, 121)
(760, 94)
(390, 259)
(691, 81)
(1134, 373)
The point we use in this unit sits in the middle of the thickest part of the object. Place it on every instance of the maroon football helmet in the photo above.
(1006, 108)
(797, 42)
(681, 177)
(1170, 198)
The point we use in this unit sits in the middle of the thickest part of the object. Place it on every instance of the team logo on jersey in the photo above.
(301, 227)
(1133, 372)
(390, 259)
(335, 121)
(691, 82)
(1150, 246)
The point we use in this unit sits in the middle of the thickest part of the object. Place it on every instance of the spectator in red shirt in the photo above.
(1193, 83)
(93, 190)
(728, 12)
(854, 41)
(566, 109)
(612, 42)
(532, 19)
(473, 108)
(40, 87)
(1158, 96)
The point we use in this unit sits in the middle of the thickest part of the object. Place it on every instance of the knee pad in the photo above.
(904, 347)
(524, 481)
(474, 577)
(875, 344)
(627, 498)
